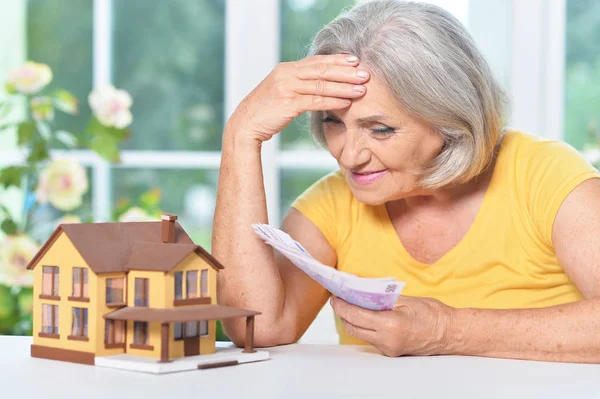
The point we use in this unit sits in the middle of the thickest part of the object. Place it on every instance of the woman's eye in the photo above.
(383, 130)
(329, 119)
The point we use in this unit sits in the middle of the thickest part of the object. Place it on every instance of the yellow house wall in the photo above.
(102, 309)
(192, 262)
(161, 295)
(64, 255)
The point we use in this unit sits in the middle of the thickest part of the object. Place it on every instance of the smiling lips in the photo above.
(367, 177)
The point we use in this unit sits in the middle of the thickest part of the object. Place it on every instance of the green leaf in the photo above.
(66, 102)
(95, 128)
(25, 133)
(8, 311)
(220, 335)
(9, 227)
(25, 300)
(150, 199)
(67, 138)
(5, 211)
(39, 152)
(120, 208)
(106, 146)
(44, 131)
(10, 89)
(42, 108)
(12, 176)
(5, 109)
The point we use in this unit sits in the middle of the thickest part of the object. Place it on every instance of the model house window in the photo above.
(204, 283)
(49, 319)
(191, 329)
(191, 284)
(178, 331)
(115, 291)
(140, 333)
(178, 285)
(50, 281)
(79, 327)
(203, 328)
(80, 282)
(141, 292)
(114, 332)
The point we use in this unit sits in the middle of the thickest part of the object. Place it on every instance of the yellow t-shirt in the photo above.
(506, 259)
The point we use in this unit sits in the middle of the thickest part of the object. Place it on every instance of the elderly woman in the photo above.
(495, 231)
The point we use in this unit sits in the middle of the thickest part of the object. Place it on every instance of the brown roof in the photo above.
(179, 314)
(118, 247)
(157, 256)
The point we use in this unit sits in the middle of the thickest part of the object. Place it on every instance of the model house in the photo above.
(140, 288)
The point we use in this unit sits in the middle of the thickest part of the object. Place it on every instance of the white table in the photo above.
(302, 371)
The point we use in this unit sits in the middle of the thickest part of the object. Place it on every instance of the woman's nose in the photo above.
(355, 152)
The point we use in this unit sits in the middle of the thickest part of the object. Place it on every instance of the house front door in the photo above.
(191, 346)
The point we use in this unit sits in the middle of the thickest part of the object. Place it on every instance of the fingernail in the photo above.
(352, 58)
(359, 89)
(362, 74)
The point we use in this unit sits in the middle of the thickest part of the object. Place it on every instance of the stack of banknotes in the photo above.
(368, 293)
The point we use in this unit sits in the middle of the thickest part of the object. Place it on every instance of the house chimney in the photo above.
(168, 227)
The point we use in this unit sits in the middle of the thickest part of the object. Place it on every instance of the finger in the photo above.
(329, 89)
(365, 334)
(334, 73)
(336, 59)
(355, 314)
(322, 103)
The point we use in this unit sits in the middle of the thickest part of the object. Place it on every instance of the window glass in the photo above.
(178, 285)
(582, 114)
(170, 56)
(62, 38)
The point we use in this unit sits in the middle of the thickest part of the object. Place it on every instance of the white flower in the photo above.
(135, 214)
(16, 253)
(63, 183)
(30, 78)
(111, 106)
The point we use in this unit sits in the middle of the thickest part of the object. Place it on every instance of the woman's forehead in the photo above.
(377, 103)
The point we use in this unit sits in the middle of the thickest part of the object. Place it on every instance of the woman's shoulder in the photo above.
(541, 173)
(526, 150)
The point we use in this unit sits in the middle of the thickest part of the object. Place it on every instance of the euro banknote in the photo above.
(368, 293)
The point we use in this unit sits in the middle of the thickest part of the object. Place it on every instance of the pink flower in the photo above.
(30, 78)
(15, 254)
(111, 106)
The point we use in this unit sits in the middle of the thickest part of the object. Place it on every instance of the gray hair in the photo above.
(431, 65)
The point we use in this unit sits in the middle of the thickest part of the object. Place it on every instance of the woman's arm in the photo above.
(565, 333)
(253, 277)
(568, 333)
